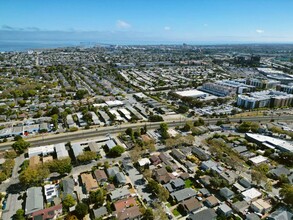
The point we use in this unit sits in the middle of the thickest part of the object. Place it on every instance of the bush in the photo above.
(20, 145)
(155, 118)
(60, 166)
(87, 156)
(116, 151)
(72, 129)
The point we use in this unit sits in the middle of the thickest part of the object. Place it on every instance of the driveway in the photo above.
(140, 184)
(12, 205)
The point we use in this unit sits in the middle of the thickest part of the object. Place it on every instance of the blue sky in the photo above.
(161, 21)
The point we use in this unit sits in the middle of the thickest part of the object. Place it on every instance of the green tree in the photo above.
(81, 209)
(97, 197)
(3, 176)
(283, 179)
(10, 154)
(129, 132)
(287, 193)
(54, 111)
(7, 167)
(33, 175)
(155, 118)
(286, 158)
(244, 127)
(186, 127)
(149, 214)
(19, 215)
(182, 109)
(164, 130)
(80, 94)
(21, 103)
(61, 166)
(163, 194)
(54, 121)
(87, 117)
(159, 190)
(256, 176)
(68, 201)
(20, 146)
(116, 151)
(87, 156)
(268, 186)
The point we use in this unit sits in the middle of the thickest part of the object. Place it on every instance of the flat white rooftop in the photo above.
(258, 159)
(277, 143)
(251, 194)
(192, 93)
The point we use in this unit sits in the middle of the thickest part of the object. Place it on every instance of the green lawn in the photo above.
(175, 212)
(188, 183)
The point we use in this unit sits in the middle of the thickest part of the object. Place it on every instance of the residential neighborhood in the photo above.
(133, 132)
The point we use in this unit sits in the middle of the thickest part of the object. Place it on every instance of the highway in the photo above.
(93, 133)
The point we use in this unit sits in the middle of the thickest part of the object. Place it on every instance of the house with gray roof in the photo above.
(205, 192)
(93, 146)
(175, 185)
(112, 171)
(224, 210)
(110, 144)
(120, 179)
(226, 193)
(178, 155)
(206, 214)
(77, 149)
(200, 153)
(207, 165)
(229, 175)
(280, 215)
(245, 183)
(183, 194)
(252, 216)
(100, 212)
(119, 193)
(68, 187)
(34, 200)
(278, 171)
(240, 206)
(61, 151)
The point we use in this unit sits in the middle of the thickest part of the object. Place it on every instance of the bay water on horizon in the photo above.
(22, 46)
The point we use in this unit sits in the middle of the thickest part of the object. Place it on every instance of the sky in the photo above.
(148, 21)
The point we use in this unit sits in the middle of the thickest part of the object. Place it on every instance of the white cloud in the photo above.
(167, 28)
(259, 31)
(122, 24)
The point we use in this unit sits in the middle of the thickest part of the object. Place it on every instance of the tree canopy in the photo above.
(32, 176)
(287, 193)
(20, 146)
(116, 151)
(60, 166)
(81, 209)
(68, 201)
(87, 156)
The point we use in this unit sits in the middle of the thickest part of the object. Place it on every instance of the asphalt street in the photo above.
(91, 133)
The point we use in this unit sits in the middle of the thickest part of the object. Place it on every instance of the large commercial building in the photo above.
(226, 88)
(263, 83)
(285, 88)
(263, 99)
(194, 93)
(276, 75)
(270, 142)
